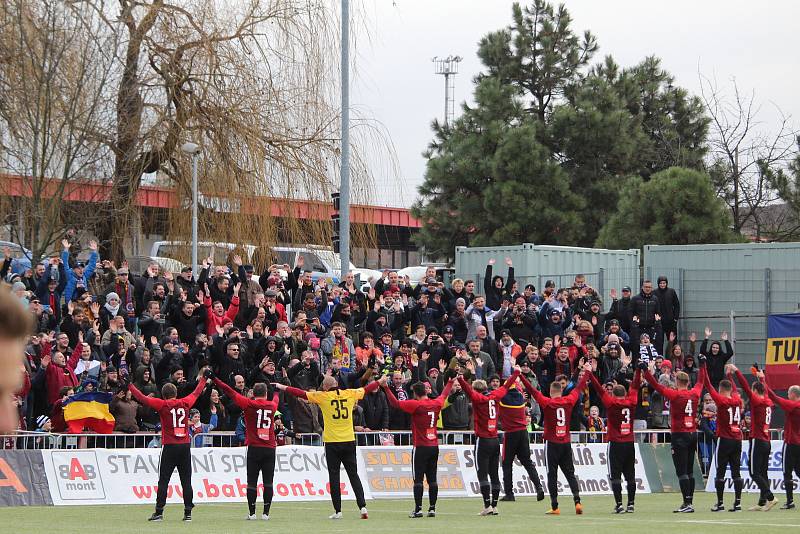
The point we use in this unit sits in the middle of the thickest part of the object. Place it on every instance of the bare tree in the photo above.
(741, 155)
(51, 81)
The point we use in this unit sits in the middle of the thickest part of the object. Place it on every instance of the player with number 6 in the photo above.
(176, 450)
(485, 406)
(259, 415)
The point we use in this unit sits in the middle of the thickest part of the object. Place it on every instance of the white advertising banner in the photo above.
(774, 470)
(219, 474)
(130, 476)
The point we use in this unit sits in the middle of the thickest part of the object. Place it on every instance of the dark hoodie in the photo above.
(145, 387)
(494, 296)
(668, 302)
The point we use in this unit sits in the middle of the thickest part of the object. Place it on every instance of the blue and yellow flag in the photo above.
(783, 350)
(89, 409)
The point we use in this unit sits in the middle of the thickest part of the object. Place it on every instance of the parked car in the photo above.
(20, 257)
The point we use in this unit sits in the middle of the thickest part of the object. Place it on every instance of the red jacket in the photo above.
(57, 377)
(213, 321)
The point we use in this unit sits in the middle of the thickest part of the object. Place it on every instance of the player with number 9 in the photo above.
(259, 413)
(557, 412)
(176, 451)
(425, 456)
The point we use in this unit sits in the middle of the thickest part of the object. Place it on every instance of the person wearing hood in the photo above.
(143, 380)
(493, 286)
(690, 368)
(111, 309)
(124, 410)
(516, 441)
(717, 358)
(670, 310)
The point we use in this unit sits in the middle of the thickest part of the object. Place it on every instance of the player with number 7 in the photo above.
(557, 413)
(176, 450)
(425, 457)
(259, 416)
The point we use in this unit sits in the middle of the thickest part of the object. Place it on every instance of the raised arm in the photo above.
(231, 393)
(468, 389)
(372, 386)
(191, 398)
(701, 380)
(151, 402)
(295, 392)
(511, 379)
(577, 390)
(535, 393)
(743, 382)
(665, 392)
(605, 398)
(407, 406)
(633, 389)
(446, 391)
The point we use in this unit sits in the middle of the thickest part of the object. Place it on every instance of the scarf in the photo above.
(112, 309)
(507, 365)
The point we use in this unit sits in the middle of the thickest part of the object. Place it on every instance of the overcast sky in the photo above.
(755, 43)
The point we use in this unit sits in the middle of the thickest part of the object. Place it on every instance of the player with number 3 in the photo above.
(620, 407)
(176, 451)
(259, 414)
(485, 407)
(557, 412)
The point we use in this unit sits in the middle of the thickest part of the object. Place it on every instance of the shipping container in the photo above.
(729, 287)
(535, 264)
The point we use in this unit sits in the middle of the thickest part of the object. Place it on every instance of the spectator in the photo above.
(78, 275)
(493, 286)
(717, 358)
(622, 310)
(124, 410)
(670, 308)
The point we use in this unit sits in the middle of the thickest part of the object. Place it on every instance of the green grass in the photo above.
(456, 515)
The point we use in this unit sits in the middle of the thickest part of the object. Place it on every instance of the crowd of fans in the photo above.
(101, 326)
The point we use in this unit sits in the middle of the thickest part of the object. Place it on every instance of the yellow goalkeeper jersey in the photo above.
(337, 412)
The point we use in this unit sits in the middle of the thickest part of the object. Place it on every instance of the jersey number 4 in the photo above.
(341, 409)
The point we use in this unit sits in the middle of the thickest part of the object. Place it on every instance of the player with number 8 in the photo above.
(176, 451)
(683, 403)
(556, 414)
(259, 414)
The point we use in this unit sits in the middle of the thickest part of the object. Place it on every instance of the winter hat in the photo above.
(112, 296)
(18, 286)
(41, 421)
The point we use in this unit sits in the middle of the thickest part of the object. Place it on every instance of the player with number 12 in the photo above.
(176, 451)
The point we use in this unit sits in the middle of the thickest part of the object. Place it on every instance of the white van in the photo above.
(320, 261)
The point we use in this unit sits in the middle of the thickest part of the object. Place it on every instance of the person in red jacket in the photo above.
(259, 418)
(791, 437)
(516, 441)
(620, 408)
(59, 372)
(425, 457)
(683, 404)
(216, 314)
(485, 406)
(729, 440)
(761, 407)
(557, 411)
(176, 451)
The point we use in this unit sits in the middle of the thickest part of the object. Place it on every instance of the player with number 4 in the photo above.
(259, 415)
(485, 405)
(176, 451)
(683, 403)
(337, 406)
(557, 412)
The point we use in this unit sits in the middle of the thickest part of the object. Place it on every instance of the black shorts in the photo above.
(424, 463)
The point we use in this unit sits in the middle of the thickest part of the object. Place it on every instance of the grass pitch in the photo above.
(653, 512)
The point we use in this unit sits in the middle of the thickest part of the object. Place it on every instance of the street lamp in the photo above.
(193, 150)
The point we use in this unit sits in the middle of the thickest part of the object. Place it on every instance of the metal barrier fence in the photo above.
(40, 440)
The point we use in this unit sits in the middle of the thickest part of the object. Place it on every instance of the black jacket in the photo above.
(645, 307)
(376, 410)
(622, 311)
(670, 306)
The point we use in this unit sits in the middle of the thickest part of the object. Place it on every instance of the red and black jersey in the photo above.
(174, 413)
(485, 408)
(259, 416)
(424, 415)
(791, 428)
(683, 403)
(556, 412)
(761, 407)
(620, 410)
(729, 412)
